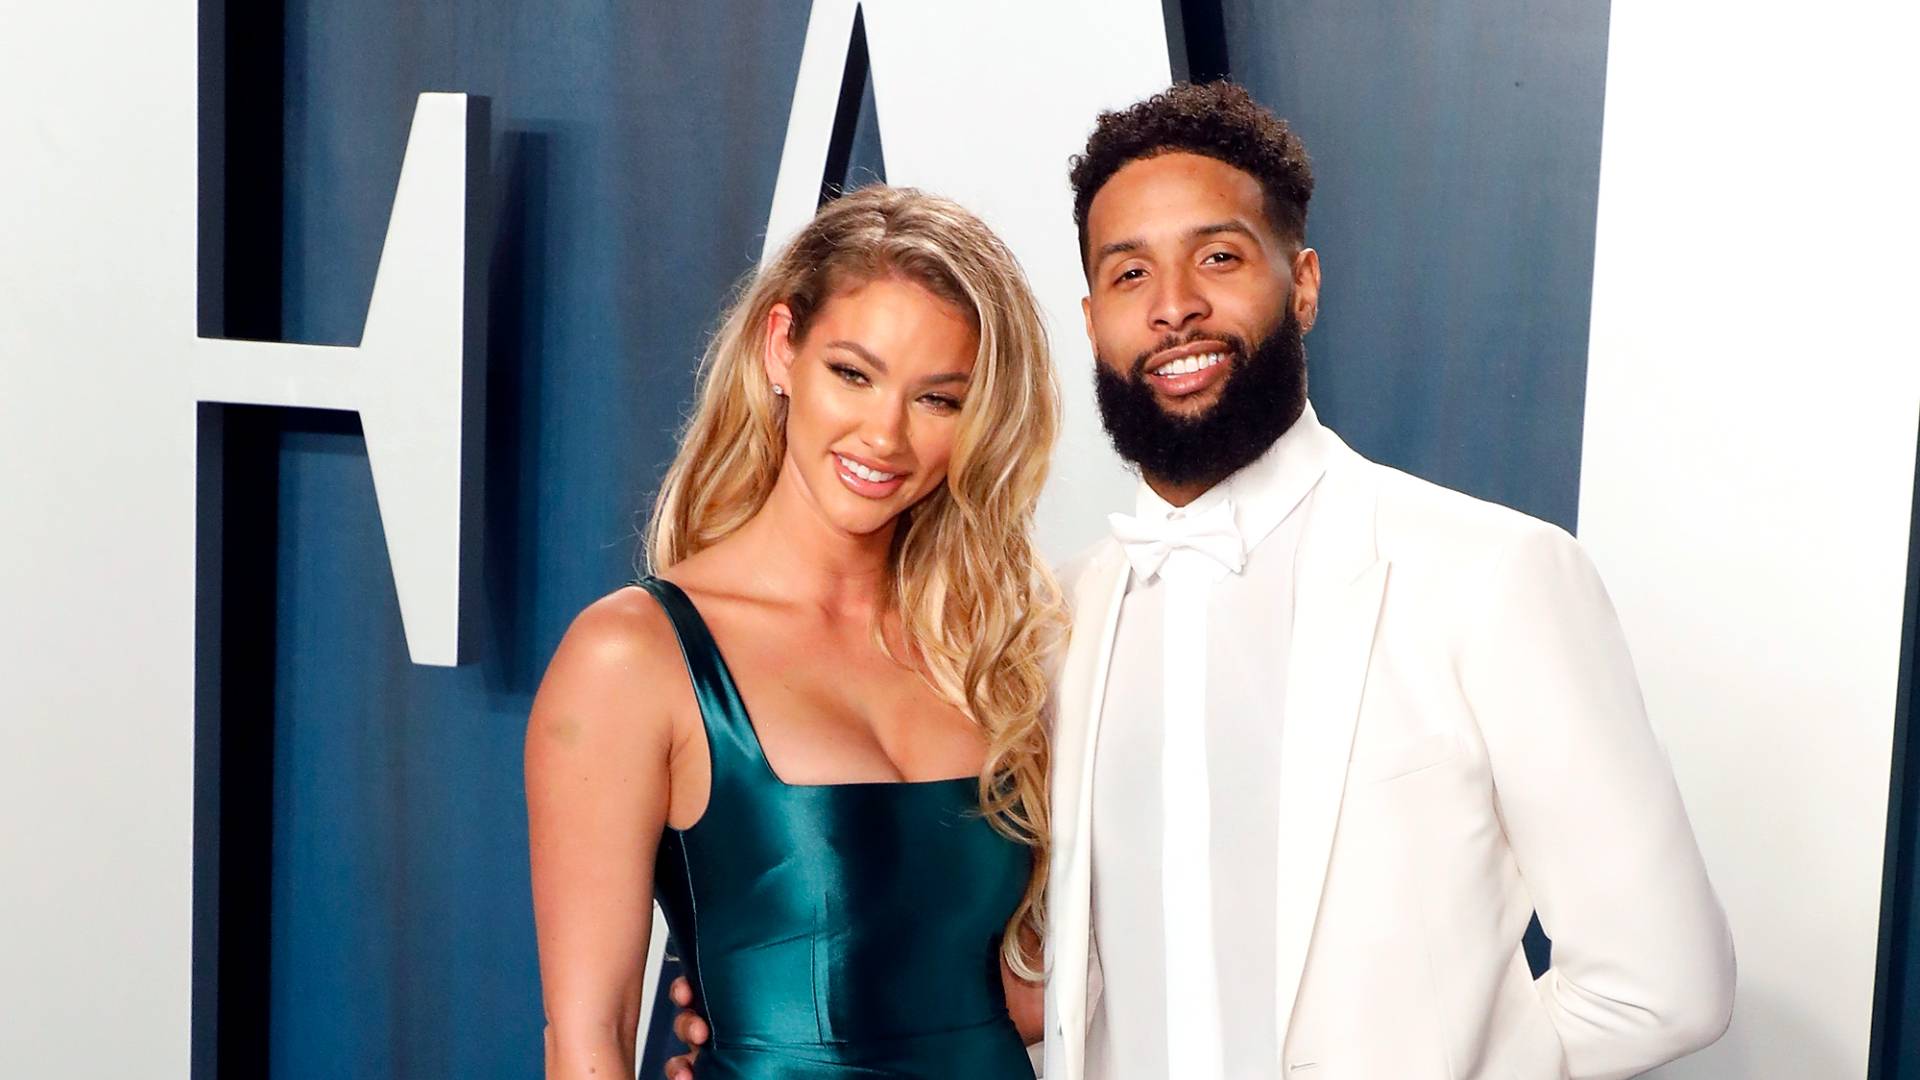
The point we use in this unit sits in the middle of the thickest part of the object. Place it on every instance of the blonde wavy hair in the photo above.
(981, 613)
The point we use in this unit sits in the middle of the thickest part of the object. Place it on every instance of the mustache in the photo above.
(1236, 349)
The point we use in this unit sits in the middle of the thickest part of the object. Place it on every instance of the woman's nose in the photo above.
(885, 428)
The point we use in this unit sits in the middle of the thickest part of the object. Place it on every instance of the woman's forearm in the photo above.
(598, 1054)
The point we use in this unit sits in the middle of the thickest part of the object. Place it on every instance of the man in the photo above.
(1326, 735)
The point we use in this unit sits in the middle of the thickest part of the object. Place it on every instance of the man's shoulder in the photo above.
(1419, 520)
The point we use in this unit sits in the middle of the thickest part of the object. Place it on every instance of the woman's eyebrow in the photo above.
(860, 351)
(866, 354)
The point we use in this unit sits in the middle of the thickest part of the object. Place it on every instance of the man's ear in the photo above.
(778, 353)
(1306, 288)
(1086, 313)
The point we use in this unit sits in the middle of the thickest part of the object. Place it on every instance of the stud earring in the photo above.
(779, 391)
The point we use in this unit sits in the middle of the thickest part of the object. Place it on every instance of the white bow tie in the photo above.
(1212, 532)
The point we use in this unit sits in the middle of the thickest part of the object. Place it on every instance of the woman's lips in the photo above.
(866, 479)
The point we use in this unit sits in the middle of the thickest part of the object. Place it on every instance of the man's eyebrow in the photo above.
(1122, 247)
(1222, 227)
(1118, 247)
(860, 351)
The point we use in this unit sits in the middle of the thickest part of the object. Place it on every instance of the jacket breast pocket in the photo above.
(1396, 759)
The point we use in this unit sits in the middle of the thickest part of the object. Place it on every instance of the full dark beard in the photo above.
(1265, 392)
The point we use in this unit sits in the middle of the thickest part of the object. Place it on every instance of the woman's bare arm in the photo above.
(597, 753)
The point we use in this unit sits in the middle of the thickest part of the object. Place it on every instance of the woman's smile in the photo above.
(865, 479)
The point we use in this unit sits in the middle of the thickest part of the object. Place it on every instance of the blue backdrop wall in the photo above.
(364, 850)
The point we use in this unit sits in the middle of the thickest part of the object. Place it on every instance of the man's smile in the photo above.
(1189, 369)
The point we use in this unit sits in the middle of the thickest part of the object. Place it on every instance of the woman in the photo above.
(845, 818)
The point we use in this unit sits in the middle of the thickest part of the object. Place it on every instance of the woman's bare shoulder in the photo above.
(624, 628)
(617, 665)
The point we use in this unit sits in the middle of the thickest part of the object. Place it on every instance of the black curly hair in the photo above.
(1218, 120)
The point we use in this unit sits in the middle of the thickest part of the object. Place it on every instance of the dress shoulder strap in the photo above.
(730, 734)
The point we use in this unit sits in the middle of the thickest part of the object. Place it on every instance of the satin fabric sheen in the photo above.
(835, 931)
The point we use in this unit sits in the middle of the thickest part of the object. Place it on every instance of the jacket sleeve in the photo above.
(1643, 964)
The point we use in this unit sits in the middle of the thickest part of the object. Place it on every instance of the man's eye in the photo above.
(1133, 274)
(1225, 256)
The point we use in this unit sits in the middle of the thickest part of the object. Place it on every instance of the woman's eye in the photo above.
(942, 402)
(849, 374)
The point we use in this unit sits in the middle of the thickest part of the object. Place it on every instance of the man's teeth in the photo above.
(1187, 365)
(872, 476)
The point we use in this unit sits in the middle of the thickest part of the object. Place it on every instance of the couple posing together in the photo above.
(1267, 786)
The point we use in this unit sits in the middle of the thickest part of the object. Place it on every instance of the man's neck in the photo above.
(1180, 494)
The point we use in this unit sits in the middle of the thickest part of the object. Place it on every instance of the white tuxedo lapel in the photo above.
(1339, 583)
(1096, 595)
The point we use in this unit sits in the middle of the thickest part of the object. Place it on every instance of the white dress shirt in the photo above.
(1239, 653)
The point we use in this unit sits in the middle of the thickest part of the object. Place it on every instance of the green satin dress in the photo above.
(835, 931)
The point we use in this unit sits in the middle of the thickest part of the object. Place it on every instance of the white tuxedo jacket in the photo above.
(1464, 742)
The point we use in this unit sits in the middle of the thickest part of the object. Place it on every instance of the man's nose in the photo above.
(1178, 303)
